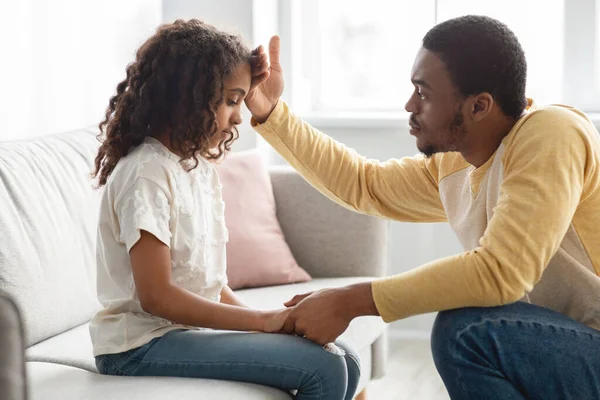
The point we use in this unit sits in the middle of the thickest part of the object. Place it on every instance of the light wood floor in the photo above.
(411, 374)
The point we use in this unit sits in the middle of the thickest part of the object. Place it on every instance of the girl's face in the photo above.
(229, 113)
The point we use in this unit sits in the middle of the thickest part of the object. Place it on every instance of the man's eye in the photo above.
(421, 95)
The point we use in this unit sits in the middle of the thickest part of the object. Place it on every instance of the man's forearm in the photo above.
(319, 159)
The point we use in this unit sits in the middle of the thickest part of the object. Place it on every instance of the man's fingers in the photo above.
(260, 49)
(322, 338)
(296, 299)
(259, 64)
(292, 302)
(289, 325)
(274, 45)
(259, 70)
(323, 341)
(263, 77)
(257, 80)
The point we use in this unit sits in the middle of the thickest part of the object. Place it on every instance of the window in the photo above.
(350, 56)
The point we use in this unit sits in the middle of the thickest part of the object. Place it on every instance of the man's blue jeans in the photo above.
(282, 361)
(519, 351)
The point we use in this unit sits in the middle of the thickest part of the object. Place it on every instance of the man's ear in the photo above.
(481, 106)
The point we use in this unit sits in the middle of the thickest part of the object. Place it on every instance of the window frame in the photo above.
(581, 57)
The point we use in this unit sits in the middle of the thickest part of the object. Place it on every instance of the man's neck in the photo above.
(480, 144)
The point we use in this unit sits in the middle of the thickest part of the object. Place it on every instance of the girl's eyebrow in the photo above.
(239, 90)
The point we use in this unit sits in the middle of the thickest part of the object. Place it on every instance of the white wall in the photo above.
(62, 60)
(234, 16)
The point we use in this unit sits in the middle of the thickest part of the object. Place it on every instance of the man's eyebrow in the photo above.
(421, 82)
(239, 90)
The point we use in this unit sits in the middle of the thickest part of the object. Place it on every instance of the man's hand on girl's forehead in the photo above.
(259, 61)
(259, 66)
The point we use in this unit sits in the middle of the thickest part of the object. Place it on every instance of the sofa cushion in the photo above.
(327, 239)
(48, 219)
(54, 381)
(74, 347)
(58, 381)
(257, 253)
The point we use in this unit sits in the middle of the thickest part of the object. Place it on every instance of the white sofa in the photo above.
(48, 212)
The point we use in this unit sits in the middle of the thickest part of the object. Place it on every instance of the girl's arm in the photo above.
(229, 297)
(151, 264)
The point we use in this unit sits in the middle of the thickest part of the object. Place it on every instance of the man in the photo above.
(520, 186)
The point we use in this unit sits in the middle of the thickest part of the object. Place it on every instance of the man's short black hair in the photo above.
(482, 55)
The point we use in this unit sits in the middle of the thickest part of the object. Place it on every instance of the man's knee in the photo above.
(459, 330)
(447, 329)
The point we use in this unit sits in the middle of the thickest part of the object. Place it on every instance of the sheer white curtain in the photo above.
(62, 59)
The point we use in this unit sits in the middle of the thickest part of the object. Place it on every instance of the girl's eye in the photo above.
(232, 102)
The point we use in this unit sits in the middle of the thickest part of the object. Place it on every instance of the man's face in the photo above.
(437, 119)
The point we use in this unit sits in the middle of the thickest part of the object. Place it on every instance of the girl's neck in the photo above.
(164, 139)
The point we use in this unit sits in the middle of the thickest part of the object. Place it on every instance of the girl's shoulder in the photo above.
(147, 161)
(152, 161)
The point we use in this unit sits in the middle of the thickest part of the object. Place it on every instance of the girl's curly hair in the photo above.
(174, 86)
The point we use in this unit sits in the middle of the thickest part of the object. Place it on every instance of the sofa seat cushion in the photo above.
(74, 347)
(58, 381)
(54, 381)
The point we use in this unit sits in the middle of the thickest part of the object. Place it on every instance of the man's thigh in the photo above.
(539, 352)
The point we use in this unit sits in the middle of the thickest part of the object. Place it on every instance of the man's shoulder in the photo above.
(556, 117)
(555, 123)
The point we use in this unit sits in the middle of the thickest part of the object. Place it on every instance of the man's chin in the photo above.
(427, 150)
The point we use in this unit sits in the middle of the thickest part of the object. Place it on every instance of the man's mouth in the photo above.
(413, 123)
(414, 127)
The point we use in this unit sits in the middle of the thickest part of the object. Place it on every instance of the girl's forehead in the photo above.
(240, 77)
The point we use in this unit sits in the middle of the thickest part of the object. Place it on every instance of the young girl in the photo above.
(161, 238)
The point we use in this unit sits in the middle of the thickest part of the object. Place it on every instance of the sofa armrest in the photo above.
(12, 351)
(327, 239)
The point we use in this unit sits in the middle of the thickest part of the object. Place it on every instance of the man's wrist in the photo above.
(357, 301)
(261, 118)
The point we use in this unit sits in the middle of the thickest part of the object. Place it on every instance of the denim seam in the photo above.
(312, 375)
(115, 366)
(460, 378)
(354, 359)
